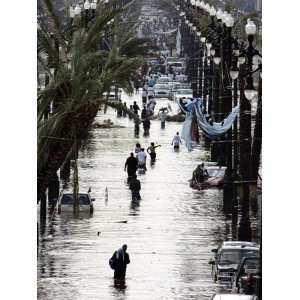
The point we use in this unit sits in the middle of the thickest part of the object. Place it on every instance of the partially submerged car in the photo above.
(228, 257)
(66, 203)
(247, 279)
(161, 90)
(233, 297)
(182, 93)
(215, 179)
(163, 80)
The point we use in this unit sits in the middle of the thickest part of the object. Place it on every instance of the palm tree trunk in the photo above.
(59, 149)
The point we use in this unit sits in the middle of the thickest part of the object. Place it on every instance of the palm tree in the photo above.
(83, 73)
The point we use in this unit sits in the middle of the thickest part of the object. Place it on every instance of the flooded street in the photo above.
(169, 234)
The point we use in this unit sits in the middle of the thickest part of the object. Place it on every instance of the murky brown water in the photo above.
(169, 235)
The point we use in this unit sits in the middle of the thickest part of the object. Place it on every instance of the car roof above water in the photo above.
(233, 297)
(239, 245)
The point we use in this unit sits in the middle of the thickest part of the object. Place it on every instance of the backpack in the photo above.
(112, 262)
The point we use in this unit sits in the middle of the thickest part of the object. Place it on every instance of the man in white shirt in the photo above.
(141, 157)
(176, 141)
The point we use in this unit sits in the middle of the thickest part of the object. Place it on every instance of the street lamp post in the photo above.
(246, 95)
(227, 105)
(234, 74)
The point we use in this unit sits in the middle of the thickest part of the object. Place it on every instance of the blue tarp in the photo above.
(195, 107)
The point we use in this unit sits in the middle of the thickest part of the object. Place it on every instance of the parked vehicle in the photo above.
(176, 64)
(233, 297)
(228, 257)
(182, 93)
(163, 80)
(215, 179)
(161, 90)
(66, 203)
(247, 279)
(113, 95)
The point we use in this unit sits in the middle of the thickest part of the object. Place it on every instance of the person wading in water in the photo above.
(176, 141)
(151, 152)
(119, 262)
(135, 187)
(141, 157)
(131, 166)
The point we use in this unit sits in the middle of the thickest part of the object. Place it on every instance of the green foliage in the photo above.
(83, 73)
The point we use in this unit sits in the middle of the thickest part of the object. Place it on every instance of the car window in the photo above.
(67, 199)
(161, 86)
(84, 200)
(216, 172)
(232, 256)
(183, 92)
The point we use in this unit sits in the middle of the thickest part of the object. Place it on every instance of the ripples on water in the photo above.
(169, 233)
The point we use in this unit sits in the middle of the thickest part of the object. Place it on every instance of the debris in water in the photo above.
(98, 233)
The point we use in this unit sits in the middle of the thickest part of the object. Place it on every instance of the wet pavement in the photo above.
(169, 233)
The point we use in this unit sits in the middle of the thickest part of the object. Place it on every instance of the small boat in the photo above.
(215, 179)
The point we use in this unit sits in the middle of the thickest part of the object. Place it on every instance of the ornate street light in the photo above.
(208, 45)
(198, 33)
(219, 14)
(202, 39)
(229, 21)
(250, 29)
(241, 60)
(212, 52)
(212, 11)
(217, 60)
(77, 10)
(94, 5)
(234, 74)
(87, 5)
(71, 12)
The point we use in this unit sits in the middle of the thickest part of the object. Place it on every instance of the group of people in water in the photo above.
(136, 162)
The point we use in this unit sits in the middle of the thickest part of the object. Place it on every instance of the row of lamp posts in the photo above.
(224, 79)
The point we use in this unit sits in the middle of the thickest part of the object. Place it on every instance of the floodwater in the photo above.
(169, 234)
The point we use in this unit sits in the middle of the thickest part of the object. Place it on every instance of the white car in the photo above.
(163, 79)
(182, 93)
(66, 203)
(161, 91)
(233, 297)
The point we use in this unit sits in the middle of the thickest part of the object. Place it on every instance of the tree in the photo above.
(83, 72)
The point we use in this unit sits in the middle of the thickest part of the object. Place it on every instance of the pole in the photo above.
(244, 230)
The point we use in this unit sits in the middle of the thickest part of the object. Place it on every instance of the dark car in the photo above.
(247, 279)
(228, 257)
